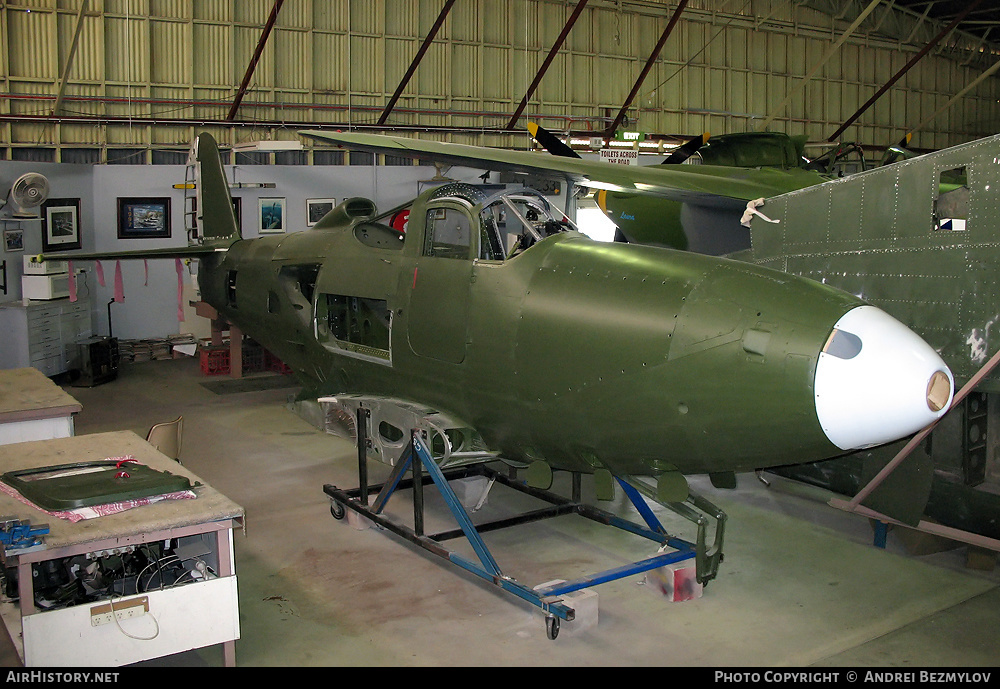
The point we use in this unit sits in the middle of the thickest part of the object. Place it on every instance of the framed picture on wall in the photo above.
(13, 240)
(143, 218)
(271, 216)
(60, 224)
(317, 208)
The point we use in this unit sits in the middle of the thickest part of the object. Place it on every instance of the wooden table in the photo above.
(169, 620)
(32, 407)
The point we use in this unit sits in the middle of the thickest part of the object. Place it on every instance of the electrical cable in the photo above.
(114, 613)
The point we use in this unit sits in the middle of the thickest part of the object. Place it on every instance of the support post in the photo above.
(69, 58)
(417, 471)
(362, 431)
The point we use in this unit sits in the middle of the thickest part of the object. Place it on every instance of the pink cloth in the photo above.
(119, 287)
(179, 265)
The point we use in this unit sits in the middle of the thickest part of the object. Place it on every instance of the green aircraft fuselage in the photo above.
(586, 354)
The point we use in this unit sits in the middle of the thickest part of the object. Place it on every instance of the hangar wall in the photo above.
(727, 66)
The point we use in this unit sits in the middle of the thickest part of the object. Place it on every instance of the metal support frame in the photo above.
(610, 132)
(252, 67)
(428, 39)
(64, 79)
(914, 60)
(548, 61)
(418, 460)
(815, 68)
(854, 504)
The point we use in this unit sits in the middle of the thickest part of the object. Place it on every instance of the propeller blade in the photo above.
(685, 151)
(897, 152)
(550, 142)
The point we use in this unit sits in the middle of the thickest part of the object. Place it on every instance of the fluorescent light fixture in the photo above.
(268, 146)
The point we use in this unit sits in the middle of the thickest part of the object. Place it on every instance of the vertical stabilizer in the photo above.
(215, 206)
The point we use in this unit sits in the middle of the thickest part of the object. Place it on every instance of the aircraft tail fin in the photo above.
(215, 205)
(218, 227)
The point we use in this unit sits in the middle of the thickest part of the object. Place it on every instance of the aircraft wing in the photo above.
(706, 185)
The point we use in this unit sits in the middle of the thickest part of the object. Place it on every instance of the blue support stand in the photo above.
(881, 531)
(418, 459)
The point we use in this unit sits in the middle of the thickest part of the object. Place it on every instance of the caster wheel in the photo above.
(337, 510)
(552, 627)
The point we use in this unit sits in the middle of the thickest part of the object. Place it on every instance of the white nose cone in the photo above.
(877, 381)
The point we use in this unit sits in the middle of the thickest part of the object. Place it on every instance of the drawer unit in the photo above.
(43, 334)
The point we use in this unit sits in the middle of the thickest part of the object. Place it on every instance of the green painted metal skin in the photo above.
(584, 354)
(754, 149)
(876, 234)
(883, 235)
(587, 355)
(706, 225)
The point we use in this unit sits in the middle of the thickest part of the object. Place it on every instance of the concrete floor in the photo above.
(801, 584)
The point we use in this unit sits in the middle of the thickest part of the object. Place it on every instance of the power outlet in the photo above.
(105, 614)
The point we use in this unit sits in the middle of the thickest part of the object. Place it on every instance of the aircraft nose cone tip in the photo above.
(877, 381)
(939, 391)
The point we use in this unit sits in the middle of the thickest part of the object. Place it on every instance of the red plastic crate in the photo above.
(277, 365)
(215, 361)
(254, 359)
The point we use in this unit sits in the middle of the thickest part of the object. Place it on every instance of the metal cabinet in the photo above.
(43, 334)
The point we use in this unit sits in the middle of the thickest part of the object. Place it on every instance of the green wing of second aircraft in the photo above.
(693, 207)
(703, 184)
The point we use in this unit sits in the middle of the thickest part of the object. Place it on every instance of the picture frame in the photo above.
(271, 215)
(143, 218)
(13, 240)
(60, 224)
(317, 208)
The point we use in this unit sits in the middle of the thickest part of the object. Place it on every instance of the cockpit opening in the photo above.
(513, 220)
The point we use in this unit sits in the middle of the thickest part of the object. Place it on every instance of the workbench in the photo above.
(32, 407)
(171, 619)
